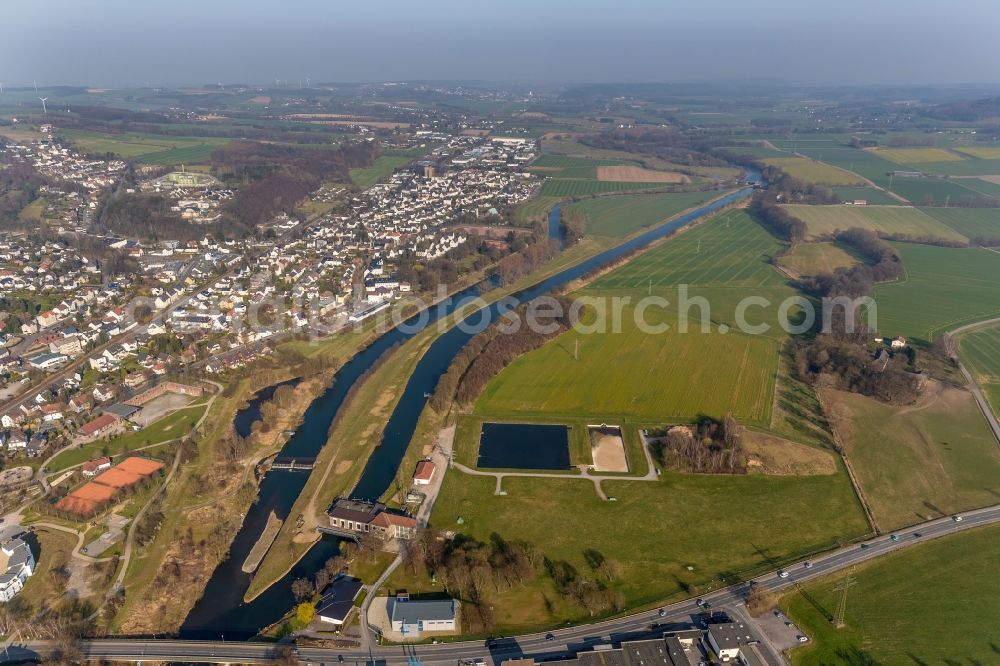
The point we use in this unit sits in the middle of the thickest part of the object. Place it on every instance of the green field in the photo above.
(651, 376)
(823, 221)
(814, 172)
(945, 288)
(568, 187)
(365, 177)
(920, 462)
(145, 148)
(946, 614)
(730, 250)
(621, 216)
(815, 258)
(565, 162)
(917, 155)
(931, 191)
(169, 427)
(980, 350)
(981, 152)
(722, 527)
(970, 222)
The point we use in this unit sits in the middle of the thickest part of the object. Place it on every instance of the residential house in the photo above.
(17, 564)
(98, 427)
(337, 602)
(424, 473)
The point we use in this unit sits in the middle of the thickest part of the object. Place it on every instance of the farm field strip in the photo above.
(898, 220)
(917, 155)
(566, 187)
(732, 240)
(814, 172)
(621, 215)
(944, 289)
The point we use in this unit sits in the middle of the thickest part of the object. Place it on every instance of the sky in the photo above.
(806, 42)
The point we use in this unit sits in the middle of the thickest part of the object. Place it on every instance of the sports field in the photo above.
(945, 615)
(814, 172)
(917, 155)
(944, 288)
(815, 258)
(823, 221)
(970, 222)
(980, 350)
(169, 427)
(634, 374)
(918, 462)
(620, 216)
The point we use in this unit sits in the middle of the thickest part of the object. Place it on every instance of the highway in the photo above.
(564, 641)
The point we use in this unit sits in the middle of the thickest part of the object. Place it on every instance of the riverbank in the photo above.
(263, 543)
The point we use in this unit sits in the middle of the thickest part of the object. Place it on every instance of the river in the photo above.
(221, 612)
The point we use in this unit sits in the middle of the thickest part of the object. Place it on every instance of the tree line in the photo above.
(707, 446)
(483, 357)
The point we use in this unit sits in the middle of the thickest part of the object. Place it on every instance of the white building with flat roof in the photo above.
(16, 566)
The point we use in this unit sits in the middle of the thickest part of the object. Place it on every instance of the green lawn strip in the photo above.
(935, 603)
(172, 426)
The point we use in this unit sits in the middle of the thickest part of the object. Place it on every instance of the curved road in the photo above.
(564, 642)
(984, 405)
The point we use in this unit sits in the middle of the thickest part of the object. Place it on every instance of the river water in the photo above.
(221, 612)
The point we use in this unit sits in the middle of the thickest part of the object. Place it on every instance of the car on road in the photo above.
(864, 546)
(808, 564)
(917, 535)
(699, 602)
(782, 574)
(957, 518)
(661, 612)
(893, 538)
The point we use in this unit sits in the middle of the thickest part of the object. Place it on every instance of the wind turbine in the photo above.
(44, 110)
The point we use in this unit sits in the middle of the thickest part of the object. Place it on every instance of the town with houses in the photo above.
(96, 328)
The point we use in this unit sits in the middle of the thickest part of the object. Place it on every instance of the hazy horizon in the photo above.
(118, 44)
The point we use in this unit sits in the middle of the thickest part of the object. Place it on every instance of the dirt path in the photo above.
(585, 473)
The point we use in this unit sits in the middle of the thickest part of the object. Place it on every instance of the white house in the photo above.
(412, 618)
(16, 566)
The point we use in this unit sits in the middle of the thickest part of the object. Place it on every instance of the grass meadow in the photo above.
(640, 376)
(815, 258)
(944, 288)
(970, 222)
(945, 615)
(675, 537)
(621, 216)
(980, 351)
(365, 177)
(823, 221)
(814, 172)
(575, 187)
(920, 462)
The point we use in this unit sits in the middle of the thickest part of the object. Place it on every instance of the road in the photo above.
(565, 641)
